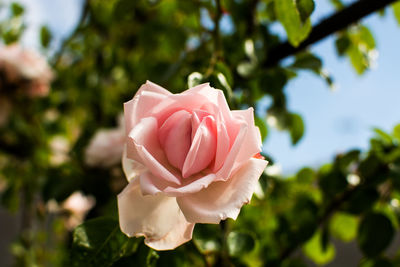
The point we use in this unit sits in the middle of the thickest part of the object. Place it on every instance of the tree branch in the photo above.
(328, 26)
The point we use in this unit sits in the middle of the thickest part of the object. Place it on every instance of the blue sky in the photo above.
(335, 120)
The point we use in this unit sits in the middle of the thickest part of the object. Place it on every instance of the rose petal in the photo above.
(175, 137)
(157, 218)
(246, 144)
(202, 150)
(147, 150)
(149, 184)
(105, 148)
(175, 103)
(150, 94)
(252, 142)
(227, 168)
(223, 200)
(223, 145)
(181, 233)
(205, 90)
(132, 168)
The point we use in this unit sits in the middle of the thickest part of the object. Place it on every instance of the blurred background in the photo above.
(311, 107)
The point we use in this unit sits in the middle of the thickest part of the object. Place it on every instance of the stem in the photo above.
(338, 21)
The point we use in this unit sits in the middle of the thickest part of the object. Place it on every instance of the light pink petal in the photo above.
(246, 145)
(224, 115)
(228, 166)
(105, 148)
(177, 102)
(157, 218)
(181, 233)
(205, 90)
(224, 109)
(202, 150)
(191, 185)
(151, 185)
(135, 110)
(221, 200)
(131, 168)
(223, 145)
(248, 115)
(175, 137)
(149, 152)
(150, 94)
(197, 118)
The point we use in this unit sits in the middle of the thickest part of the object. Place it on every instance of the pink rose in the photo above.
(77, 205)
(19, 64)
(106, 147)
(188, 159)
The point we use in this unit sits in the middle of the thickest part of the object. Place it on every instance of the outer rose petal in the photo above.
(152, 185)
(221, 200)
(157, 218)
(132, 169)
(152, 95)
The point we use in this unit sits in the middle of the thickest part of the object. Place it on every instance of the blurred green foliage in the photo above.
(116, 47)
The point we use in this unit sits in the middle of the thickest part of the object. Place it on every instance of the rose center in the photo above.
(189, 140)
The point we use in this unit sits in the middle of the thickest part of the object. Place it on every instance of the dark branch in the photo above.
(328, 26)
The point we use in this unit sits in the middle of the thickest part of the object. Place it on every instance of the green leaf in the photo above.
(396, 11)
(344, 226)
(357, 59)
(302, 219)
(288, 14)
(272, 81)
(262, 125)
(226, 86)
(396, 132)
(296, 128)
(99, 242)
(226, 71)
(305, 7)
(342, 43)
(314, 250)
(143, 256)
(195, 78)
(385, 137)
(17, 9)
(305, 175)
(344, 161)
(337, 4)
(375, 233)
(308, 61)
(45, 36)
(332, 183)
(207, 238)
(240, 243)
(366, 37)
